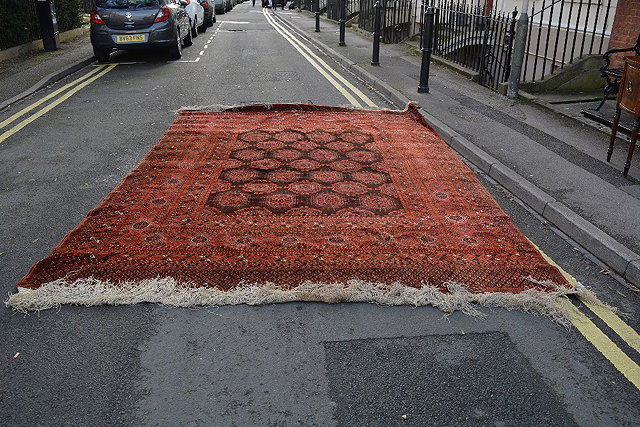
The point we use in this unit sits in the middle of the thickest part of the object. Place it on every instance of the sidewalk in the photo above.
(21, 77)
(552, 162)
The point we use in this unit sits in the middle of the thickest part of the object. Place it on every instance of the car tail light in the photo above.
(163, 14)
(188, 1)
(95, 18)
(205, 4)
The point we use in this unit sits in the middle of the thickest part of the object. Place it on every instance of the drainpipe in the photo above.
(519, 45)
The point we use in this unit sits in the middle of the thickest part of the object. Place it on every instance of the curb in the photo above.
(51, 78)
(618, 257)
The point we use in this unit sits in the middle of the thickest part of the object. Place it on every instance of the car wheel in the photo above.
(175, 51)
(203, 28)
(102, 55)
(188, 40)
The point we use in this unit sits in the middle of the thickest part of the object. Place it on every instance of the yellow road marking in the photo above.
(603, 344)
(626, 332)
(294, 43)
(339, 76)
(595, 336)
(48, 97)
(55, 103)
(342, 90)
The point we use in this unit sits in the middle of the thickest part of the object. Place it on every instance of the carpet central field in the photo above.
(295, 194)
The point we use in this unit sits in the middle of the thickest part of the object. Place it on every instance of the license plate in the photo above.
(131, 38)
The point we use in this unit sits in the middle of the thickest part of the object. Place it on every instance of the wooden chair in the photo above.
(628, 100)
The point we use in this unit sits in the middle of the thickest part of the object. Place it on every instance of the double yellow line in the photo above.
(71, 89)
(614, 354)
(349, 91)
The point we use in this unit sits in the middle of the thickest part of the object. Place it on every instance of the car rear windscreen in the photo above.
(127, 4)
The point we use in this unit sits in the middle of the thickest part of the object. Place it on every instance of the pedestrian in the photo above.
(253, 3)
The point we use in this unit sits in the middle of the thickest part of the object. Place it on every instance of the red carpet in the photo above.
(299, 193)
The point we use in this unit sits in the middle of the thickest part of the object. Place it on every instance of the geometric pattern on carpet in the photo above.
(296, 193)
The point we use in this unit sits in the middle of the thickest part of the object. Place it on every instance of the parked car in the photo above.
(196, 16)
(139, 24)
(209, 11)
(223, 6)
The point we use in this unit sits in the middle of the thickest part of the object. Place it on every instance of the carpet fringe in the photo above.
(166, 291)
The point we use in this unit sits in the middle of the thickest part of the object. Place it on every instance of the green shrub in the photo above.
(69, 13)
(19, 21)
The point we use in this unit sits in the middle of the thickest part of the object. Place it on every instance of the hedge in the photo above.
(20, 21)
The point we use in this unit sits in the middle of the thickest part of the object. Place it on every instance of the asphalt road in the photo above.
(286, 364)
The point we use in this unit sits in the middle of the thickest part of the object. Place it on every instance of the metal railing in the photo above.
(398, 19)
(476, 38)
(333, 9)
(562, 31)
(310, 5)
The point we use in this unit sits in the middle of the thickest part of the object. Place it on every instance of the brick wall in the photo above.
(626, 27)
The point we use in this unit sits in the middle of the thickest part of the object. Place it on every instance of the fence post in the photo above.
(377, 32)
(343, 5)
(518, 52)
(316, 6)
(511, 34)
(427, 42)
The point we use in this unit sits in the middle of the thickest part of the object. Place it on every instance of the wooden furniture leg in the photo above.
(632, 146)
(614, 130)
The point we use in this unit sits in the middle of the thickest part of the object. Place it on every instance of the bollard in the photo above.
(343, 6)
(427, 42)
(519, 49)
(316, 6)
(375, 60)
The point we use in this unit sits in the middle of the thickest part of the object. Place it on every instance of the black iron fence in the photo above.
(476, 38)
(561, 31)
(352, 8)
(397, 18)
(310, 5)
